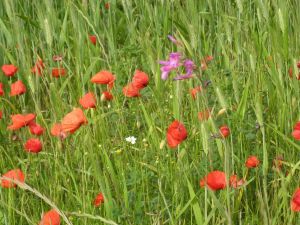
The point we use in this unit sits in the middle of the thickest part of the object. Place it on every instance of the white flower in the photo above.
(131, 139)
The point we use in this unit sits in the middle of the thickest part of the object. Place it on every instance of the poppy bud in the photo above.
(162, 144)
(221, 112)
(138, 124)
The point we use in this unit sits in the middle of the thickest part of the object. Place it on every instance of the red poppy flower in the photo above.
(17, 88)
(295, 202)
(131, 91)
(9, 70)
(106, 96)
(252, 162)
(38, 67)
(235, 182)
(93, 39)
(297, 126)
(204, 115)
(58, 72)
(33, 145)
(216, 180)
(140, 79)
(88, 101)
(50, 218)
(56, 131)
(98, 200)
(1, 114)
(194, 91)
(296, 132)
(73, 120)
(1, 89)
(176, 134)
(20, 120)
(15, 174)
(224, 131)
(35, 129)
(104, 77)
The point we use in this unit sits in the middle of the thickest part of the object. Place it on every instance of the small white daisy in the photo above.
(131, 139)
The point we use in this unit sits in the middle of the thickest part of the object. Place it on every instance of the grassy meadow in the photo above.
(247, 86)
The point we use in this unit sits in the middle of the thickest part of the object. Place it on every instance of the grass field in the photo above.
(246, 86)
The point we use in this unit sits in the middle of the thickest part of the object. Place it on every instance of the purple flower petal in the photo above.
(183, 77)
(188, 64)
(170, 65)
(161, 62)
(175, 55)
(164, 75)
(166, 68)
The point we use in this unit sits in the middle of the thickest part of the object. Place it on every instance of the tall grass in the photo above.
(253, 42)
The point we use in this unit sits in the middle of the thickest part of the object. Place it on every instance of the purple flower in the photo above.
(170, 65)
(189, 68)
